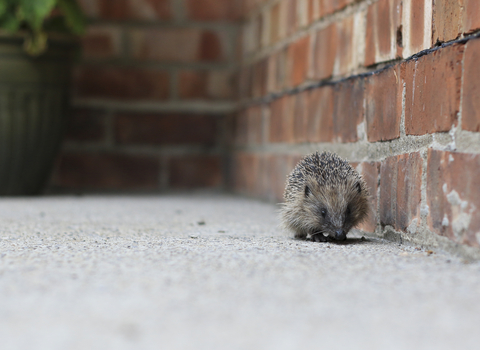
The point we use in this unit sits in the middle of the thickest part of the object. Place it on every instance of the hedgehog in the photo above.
(324, 198)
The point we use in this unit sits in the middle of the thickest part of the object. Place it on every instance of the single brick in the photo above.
(400, 190)
(417, 26)
(447, 20)
(213, 10)
(433, 84)
(324, 53)
(370, 172)
(471, 16)
(384, 92)
(86, 125)
(101, 42)
(384, 24)
(345, 57)
(388, 194)
(320, 114)
(163, 129)
(409, 192)
(348, 110)
(121, 83)
(195, 171)
(298, 59)
(107, 171)
(281, 120)
(185, 45)
(471, 87)
(453, 196)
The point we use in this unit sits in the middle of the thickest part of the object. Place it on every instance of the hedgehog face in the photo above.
(334, 210)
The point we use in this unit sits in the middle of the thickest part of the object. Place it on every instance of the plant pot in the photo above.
(33, 111)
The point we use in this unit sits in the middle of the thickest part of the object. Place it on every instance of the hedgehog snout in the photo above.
(340, 235)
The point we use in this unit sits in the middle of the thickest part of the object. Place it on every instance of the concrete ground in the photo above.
(215, 272)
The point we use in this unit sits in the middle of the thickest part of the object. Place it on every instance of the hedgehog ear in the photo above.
(359, 187)
(307, 191)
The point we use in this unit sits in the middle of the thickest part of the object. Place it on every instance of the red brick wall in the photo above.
(151, 94)
(391, 85)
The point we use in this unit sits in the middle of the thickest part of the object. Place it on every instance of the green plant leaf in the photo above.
(10, 22)
(3, 8)
(74, 17)
(35, 11)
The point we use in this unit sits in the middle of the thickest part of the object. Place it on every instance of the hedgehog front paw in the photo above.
(317, 237)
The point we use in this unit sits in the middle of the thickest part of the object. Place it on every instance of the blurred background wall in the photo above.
(151, 94)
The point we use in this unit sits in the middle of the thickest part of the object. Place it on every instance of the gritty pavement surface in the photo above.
(216, 272)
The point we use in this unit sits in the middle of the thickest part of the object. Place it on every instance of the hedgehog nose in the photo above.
(340, 235)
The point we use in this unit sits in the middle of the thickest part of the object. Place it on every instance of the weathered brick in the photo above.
(127, 9)
(384, 92)
(384, 23)
(101, 42)
(433, 84)
(213, 10)
(409, 183)
(400, 190)
(345, 58)
(107, 171)
(121, 83)
(298, 59)
(471, 16)
(320, 115)
(195, 171)
(447, 20)
(184, 45)
(471, 87)
(324, 53)
(453, 196)
(370, 172)
(300, 119)
(152, 129)
(417, 26)
(348, 110)
(86, 125)
(281, 120)
(388, 194)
